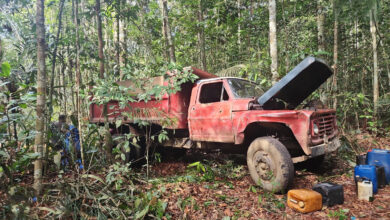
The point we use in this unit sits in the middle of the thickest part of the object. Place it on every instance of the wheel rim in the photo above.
(264, 166)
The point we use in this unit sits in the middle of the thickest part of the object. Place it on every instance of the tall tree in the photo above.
(78, 76)
(373, 26)
(118, 36)
(107, 136)
(239, 26)
(321, 25)
(1, 50)
(321, 42)
(41, 95)
(100, 39)
(335, 52)
(122, 40)
(167, 30)
(53, 62)
(272, 40)
(201, 40)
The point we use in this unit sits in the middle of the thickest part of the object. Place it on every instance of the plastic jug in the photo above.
(361, 159)
(304, 200)
(332, 194)
(364, 189)
(380, 176)
(381, 158)
(367, 172)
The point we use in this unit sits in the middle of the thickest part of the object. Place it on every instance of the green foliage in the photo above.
(230, 170)
(5, 69)
(205, 172)
(341, 214)
(199, 166)
(353, 107)
(270, 202)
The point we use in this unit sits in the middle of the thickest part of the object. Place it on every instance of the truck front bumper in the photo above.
(319, 150)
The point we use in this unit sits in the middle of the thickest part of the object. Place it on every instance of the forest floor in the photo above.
(238, 198)
(219, 187)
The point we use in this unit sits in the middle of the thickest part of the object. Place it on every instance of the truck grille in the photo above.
(326, 123)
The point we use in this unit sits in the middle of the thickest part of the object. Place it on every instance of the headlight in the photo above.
(316, 130)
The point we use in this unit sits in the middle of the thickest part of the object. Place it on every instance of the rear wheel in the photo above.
(270, 164)
(136, 153)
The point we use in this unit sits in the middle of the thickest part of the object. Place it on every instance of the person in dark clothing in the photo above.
(57, 140)
(66, 140)
(72, 138)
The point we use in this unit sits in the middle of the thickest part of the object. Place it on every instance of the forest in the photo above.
(61, 58)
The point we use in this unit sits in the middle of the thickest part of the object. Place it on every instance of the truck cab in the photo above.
(226, 110)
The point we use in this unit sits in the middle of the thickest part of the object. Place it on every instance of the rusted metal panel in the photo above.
(325, 120)
(210, 121)
(202, 74)
(298, 84)
(174, 106)
(297, 121)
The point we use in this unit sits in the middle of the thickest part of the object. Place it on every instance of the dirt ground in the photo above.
(240, 199)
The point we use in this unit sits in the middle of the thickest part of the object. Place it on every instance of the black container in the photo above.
(380, 176)
(332, 194)
(361, 159)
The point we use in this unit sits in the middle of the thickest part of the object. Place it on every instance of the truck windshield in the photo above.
(245, 89)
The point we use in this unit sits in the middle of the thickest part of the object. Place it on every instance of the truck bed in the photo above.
(170, 112)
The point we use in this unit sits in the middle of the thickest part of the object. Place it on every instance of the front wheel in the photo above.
(270, 164)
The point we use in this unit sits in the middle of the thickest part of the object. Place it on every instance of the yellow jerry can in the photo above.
(304, 200)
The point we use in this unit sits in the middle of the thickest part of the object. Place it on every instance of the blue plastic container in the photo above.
(380, 157)
(367, 172)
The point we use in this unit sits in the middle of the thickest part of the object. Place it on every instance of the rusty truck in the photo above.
(272, 127)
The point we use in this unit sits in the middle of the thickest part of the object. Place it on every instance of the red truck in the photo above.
(228, 111)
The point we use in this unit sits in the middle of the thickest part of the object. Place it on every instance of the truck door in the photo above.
(210, 117)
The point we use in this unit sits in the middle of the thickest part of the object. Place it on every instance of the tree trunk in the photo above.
(63, 84)
(375, 60)
(117, 37)
(41, 96)
(122, 44)
(285, 38)
(201, 40)
(78, 78)
(239, 27)
(70, 76)
(273, 41)
(335, 54)
(320, 26)
(167, 29)
(321, 44)
(108, 138)
(53, 63)
(250, 26)
(166, 50)
(100, 39)
(1, 50)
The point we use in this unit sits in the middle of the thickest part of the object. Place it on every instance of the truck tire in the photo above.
(136, 153)
(270, 164)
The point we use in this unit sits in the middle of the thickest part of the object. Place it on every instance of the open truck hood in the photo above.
(298, 84)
